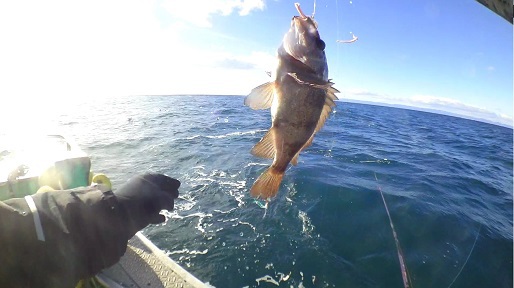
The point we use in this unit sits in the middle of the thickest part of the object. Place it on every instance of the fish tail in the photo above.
(266, 186)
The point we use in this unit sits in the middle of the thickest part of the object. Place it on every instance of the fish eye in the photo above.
(321, 44)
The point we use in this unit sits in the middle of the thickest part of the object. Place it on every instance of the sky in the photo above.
(454, 55)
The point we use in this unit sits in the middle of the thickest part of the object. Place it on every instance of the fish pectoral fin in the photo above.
(265, 148)
(261, 96)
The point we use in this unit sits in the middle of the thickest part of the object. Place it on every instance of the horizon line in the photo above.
(375, 103)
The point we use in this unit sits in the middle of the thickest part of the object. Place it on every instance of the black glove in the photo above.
(144, 196)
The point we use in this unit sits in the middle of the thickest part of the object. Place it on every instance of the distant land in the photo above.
(500, 122)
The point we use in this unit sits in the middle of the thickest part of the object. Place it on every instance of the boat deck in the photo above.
(145, 265)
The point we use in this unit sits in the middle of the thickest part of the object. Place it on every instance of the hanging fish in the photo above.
(301, 98)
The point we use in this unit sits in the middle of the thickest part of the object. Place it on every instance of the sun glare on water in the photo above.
(27, 115)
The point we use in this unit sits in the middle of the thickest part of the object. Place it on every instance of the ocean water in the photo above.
(448, 183)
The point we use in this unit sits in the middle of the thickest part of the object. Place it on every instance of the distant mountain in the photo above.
(499, 121)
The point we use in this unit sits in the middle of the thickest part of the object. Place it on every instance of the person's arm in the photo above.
(72, 234)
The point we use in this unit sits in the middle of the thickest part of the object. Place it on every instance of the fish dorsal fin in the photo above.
(266, 147)
(331, 92)
(261, 96)
(327, 108)
(294, 161)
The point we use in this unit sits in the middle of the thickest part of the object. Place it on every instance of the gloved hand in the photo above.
(144, 196)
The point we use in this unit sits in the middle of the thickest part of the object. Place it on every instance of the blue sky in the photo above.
(450, 55)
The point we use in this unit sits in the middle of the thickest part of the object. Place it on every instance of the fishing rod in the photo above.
(403, 266)
(407, 282)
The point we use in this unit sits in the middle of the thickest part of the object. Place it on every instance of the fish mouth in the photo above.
(304, 28)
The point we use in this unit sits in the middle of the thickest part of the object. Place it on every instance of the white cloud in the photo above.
(366, 95)
(199, 12)
(433, 100)
(58, 49)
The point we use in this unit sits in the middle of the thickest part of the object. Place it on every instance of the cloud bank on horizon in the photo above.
(430, 102)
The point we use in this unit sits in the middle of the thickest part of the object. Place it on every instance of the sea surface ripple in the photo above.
(447, 181)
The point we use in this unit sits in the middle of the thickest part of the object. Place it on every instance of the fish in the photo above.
(300, 98)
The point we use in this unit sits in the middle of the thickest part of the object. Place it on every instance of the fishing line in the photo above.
(337, 32)
(338, 59)
(405, 274)
(332, 142)
(469, 255)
